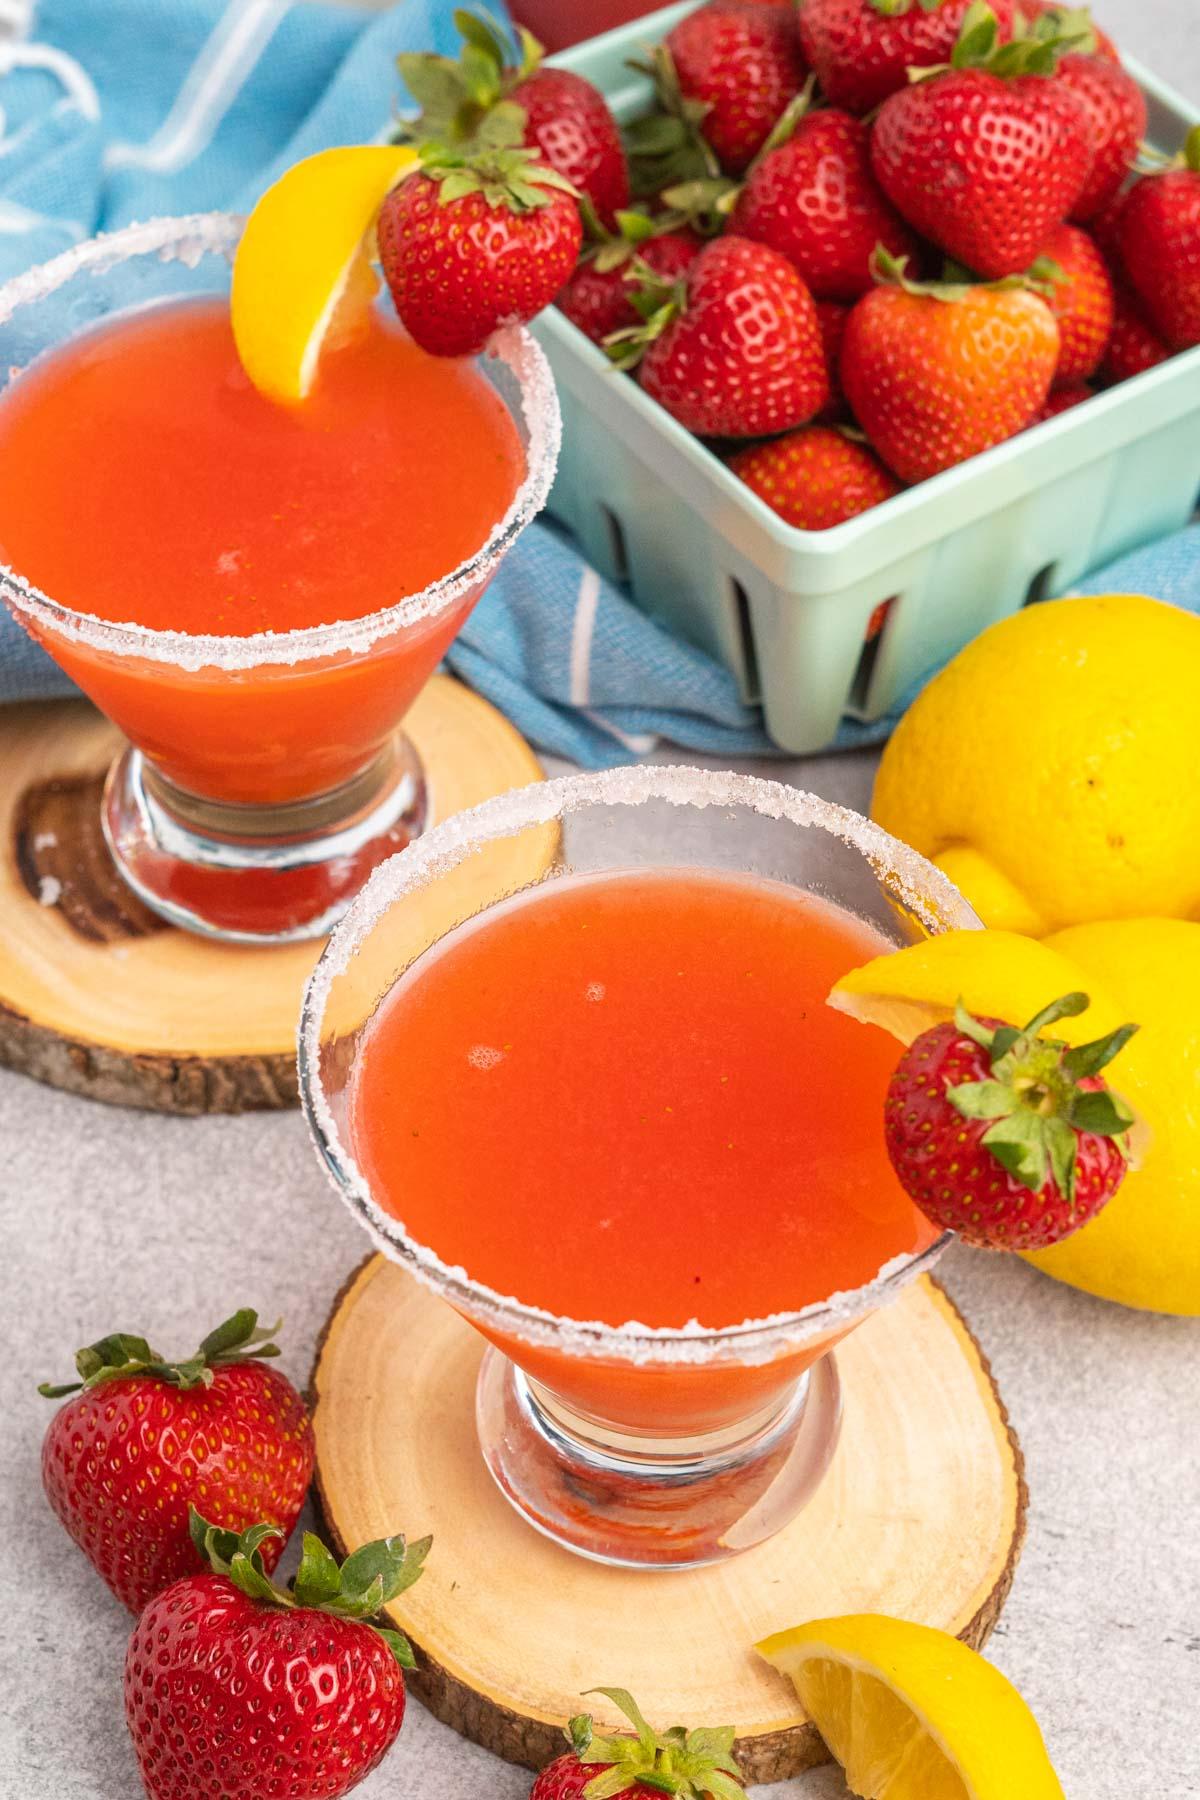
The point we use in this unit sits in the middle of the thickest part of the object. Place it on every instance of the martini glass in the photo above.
(635, 1444)
(266, 774)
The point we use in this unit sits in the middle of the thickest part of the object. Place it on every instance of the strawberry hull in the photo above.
(787, 610)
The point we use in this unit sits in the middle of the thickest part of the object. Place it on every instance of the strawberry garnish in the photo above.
(236, 1688)
(862, 50)
(1159, 233)
(689, 1764)
(987, 156)
(555, 113)
(937, 372)
(474, 240)
(732, 350)
(1008, 1137)
(142, 1438)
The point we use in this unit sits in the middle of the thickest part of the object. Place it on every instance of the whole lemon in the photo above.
(1049, 770)
(1144, 1248)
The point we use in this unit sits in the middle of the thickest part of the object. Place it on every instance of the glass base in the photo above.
(259, 874)
(643, 1503)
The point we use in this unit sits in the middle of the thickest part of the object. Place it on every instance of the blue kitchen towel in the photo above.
(114, 110)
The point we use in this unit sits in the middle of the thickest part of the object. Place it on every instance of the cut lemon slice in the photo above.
(912, 1714)
(302, 276)
(999, 974)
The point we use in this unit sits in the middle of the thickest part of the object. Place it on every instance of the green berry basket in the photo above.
(788, 610)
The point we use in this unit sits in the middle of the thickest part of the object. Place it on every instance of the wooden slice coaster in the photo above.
(922, 1516)
(99, 996)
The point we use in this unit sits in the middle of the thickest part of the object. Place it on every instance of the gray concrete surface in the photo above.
(110, 1219)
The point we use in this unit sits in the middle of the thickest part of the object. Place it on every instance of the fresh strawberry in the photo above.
(732, 67)
(985, 163)
(568, 123)
(937, 373)
(472, 241)
(832, 318)
(143, 1438)
(814, 198)
(1065, 20)
(862, 50)
(1062, 400)
(1159, 232)
(496, 95)
(1083, 302)
(236, 1689)
(1134, 345)
(735, 349)
(690, 1764)
(597, 297)
(815, 478)
(1115, 108)
(1006, 1136)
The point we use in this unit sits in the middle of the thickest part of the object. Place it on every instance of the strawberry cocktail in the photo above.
(253, 591)
(610, 1118)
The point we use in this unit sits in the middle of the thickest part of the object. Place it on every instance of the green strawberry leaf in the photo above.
(978, 36)
(399, 1646)
(624, 1701)
(1018, 1142)
(1089, 1059)
(318, 1578)
(982, 1099)
(484, 34)
(1103, 1114)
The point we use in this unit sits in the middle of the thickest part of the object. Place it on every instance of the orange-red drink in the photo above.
(145, 481)
(622, 1098)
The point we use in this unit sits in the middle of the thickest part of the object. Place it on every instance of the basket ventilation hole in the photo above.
(741, 611)
(860, 687)
(1042, 585)
(616, 544)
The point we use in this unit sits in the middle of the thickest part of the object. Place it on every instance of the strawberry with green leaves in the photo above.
(987, 156)
(598, 297)
(937, 372)
(236, 1689)
(812, 196)
(643, 1764)
(558, 115)
(1007, 1136)
(734, 349)
(141, 1438)
(725, 74)
(862, 50)
(1049, 18)
(1159, 233)
(474, 240)
(1114, 108)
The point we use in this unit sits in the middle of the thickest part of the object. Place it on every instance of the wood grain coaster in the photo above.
(101, 997)
(922, 1515)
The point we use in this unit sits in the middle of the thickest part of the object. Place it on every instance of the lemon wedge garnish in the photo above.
(302, 275)
(999, 974)
(913, 1714)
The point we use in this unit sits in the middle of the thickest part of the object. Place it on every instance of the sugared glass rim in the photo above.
(187, 239)
(919, 886)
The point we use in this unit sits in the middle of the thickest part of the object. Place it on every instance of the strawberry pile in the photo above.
(235, 1687)
(928, 223)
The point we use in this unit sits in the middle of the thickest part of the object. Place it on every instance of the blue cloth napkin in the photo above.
(114, 110)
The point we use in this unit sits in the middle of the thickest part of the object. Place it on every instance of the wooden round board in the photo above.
(922, 1516)
(98, 995)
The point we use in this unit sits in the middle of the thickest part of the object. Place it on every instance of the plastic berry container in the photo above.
(787, 610)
